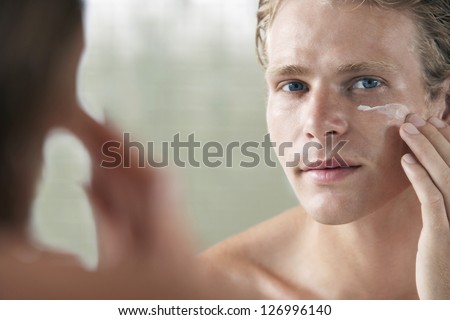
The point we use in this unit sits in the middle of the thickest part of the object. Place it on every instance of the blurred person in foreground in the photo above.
(142, 252)
(375, 225)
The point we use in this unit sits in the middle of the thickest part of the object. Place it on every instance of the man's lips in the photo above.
(329, 172)
(330, 164)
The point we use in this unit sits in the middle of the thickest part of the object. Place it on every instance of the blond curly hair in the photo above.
(433, 43)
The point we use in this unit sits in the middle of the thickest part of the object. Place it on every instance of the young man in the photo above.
(375, 225)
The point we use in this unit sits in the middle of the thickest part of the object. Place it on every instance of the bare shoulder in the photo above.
(252, 258)
(252, 243)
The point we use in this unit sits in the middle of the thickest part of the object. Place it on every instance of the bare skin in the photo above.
(356, 236)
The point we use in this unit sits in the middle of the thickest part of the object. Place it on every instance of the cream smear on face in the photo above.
(395, 111)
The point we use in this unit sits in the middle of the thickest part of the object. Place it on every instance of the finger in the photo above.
(112, 210)
(102, 212)
(90, 132)
(434, 214)
(428, 156)
(431, 148)
(98, 208)
(435, 131)
(441, 126)
(100, 215)
(136, 202)
(113, 236)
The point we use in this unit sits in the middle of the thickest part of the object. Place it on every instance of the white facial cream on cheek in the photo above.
(395, 111)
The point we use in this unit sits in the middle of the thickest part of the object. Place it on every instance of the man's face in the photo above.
(324, 61)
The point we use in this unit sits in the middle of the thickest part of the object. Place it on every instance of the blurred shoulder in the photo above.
(23, 273)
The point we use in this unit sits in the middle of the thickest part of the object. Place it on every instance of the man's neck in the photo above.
(374, 256)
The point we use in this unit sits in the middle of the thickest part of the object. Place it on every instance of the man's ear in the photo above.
(446, 114)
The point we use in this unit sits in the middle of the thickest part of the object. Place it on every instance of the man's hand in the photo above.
(134, 207)
(429, 173)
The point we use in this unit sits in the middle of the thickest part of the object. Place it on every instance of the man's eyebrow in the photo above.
(287, 70)
(298, 70)
(366, 66)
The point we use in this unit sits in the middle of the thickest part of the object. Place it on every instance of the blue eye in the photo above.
(294, 86)
(367, 83)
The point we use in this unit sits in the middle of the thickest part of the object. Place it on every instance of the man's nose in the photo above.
(324, 114)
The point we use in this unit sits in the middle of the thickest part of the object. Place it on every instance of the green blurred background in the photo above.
(156, 68)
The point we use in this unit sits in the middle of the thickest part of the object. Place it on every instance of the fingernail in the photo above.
(438, 123)
(409, 159)
(409, 128)
(416, 120)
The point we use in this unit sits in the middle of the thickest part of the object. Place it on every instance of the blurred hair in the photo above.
(433, 44)
(33, 33)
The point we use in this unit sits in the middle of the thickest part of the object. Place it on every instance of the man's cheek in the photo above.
(289, 154)
(284, 151)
